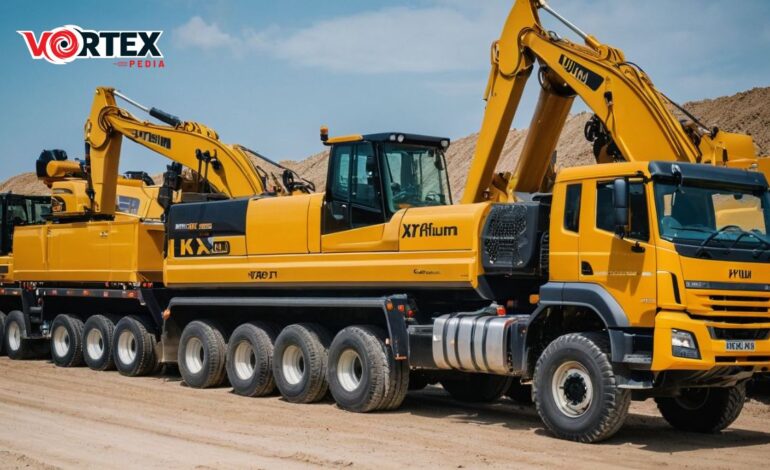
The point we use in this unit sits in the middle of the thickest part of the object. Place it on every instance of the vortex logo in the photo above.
(67, 43)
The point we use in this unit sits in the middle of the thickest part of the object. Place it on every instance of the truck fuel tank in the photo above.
(474, 342)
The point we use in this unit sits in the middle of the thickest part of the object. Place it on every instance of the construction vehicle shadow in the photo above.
(759, 389)
(649, 433)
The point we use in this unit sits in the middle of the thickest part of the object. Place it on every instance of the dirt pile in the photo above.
(25, 183)
(747, 112)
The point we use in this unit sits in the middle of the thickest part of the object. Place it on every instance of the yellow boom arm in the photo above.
(636, 123)
(228, 168)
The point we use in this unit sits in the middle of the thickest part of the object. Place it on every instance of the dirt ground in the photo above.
(75, 418)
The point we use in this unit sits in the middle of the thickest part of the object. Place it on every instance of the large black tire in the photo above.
(704, 410)
(300, 359)
(575, 389)
(133, 348)
(476, 388)
(250, 359)
(67, 341)
(17, 345)
(98, 334)
(363, 375)
(201, 355)
(2, 334)
(519, 392)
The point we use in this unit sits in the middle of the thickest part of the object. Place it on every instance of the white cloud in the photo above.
(391, 40)
(196, 33)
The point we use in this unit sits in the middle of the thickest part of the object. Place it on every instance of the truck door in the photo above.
(353, 214)
(625, 267)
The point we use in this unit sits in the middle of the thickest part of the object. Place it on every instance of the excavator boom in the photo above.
(633, 120)
(194, 145)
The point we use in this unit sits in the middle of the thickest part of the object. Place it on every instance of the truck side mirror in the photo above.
(620, 205)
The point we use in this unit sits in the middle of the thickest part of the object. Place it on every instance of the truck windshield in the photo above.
(729, 217)
(415, 176)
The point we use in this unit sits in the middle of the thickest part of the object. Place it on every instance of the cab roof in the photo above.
(395, 137)
(666, 170)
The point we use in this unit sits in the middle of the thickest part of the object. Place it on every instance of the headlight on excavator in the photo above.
(683, 344)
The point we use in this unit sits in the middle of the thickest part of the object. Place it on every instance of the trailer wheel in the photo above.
(363, 376)
(2, 333)
(704, 410)
(201, 356)
(133, 347)
(299, 362)
(250, 359)
(575, 388)
(67, 341)
(477, 388)
(98, 334)
(17, 345)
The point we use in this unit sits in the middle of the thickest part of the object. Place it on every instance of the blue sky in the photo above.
(268, 74)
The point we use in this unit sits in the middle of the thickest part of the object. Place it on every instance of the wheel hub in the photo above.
(61, 341)
(244, 360)
(127, 347)
(572, 389)
(94, 344)
(293, 364)
(575, 389)
(350, 370)
(14, 336)
(194, 355)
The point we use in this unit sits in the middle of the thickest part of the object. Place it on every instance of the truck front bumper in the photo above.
(711, 351)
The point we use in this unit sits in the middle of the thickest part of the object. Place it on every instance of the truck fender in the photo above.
(578, 294)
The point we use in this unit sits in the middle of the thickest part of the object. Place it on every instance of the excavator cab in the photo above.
(18, 210)
(371, 177)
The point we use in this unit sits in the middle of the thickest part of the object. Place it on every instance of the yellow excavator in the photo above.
(119, 217)
(633, 121)
(621, 281)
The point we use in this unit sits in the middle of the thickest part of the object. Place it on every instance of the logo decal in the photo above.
(156, 139)
(64, 44)
(263, 275)
(591, 79)
(201, 247)
(428, 230)
(739, 273)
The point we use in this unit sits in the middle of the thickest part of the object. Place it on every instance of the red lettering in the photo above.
(36, 48)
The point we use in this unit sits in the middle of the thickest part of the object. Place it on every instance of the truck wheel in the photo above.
(477, 388)
(67, 341)
(363, 375)
(575, 389)
(359, 372)
(133, 347)
(98, 334)
(250, 359)
(704, 410)
(17, 346)
(2, 333)
(299, 362)
(519, 392)
(201, 356)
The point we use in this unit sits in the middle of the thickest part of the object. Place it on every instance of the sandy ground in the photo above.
(75, 418)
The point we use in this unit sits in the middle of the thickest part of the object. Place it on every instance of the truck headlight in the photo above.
(683, 344)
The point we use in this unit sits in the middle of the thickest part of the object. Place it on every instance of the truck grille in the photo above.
(730, 305)
(758, 334)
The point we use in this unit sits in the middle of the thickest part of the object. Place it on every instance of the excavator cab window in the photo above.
(355, 194)
(18, 211)
(415, 176)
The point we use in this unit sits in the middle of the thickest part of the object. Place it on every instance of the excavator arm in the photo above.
(226, 168)
(633, 120)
